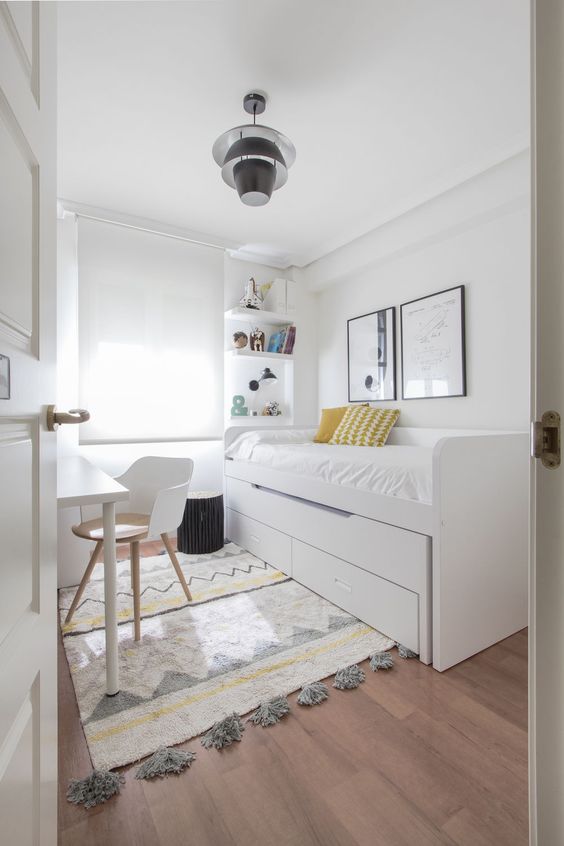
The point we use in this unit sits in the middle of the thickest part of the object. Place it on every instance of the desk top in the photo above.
(80, 483)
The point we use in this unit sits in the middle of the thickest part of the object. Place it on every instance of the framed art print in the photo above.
(433, 357)
(371, 342)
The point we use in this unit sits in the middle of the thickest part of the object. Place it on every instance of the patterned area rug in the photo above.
(250, 634)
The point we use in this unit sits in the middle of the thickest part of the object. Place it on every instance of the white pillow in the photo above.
(244, 444)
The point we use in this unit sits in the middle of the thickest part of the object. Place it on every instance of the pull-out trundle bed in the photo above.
(425, 539)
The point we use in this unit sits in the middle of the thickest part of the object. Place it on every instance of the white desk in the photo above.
(80, 483)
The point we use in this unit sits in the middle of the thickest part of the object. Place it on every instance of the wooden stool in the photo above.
(201, 529)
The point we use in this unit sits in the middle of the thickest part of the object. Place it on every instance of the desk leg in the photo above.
(110, 588)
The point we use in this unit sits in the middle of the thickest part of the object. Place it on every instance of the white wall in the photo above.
(476, 234)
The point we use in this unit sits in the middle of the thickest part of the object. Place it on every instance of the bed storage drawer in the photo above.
(266, 543)
(391, 609)
(395, 554)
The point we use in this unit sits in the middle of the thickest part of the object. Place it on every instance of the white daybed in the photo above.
(438, 562)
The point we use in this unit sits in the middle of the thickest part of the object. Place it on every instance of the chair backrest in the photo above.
(157, 486)
(151, 474)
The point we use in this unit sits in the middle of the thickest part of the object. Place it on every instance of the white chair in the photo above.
(158, 488)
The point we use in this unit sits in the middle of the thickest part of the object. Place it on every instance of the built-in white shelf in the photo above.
(247, 353)
(257, 316)
(281, 419)
(240, 368)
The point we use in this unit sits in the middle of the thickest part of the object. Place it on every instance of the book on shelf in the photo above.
(282, 341)
(289, 340)
(274, 341)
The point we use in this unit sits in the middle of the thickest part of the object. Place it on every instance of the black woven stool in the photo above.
(201, 529)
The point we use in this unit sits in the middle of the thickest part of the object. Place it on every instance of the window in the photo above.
(150, 335)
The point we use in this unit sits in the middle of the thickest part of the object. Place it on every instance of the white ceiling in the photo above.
(388, 103)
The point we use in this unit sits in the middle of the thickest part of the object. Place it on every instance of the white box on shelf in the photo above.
(291, 305)
(275, 298)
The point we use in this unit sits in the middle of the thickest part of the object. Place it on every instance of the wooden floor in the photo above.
(411, 758)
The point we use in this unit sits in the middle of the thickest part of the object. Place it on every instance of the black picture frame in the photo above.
(386, 319)
(460, 352)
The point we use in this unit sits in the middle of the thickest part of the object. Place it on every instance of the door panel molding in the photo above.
(19, 494)
(21, 206)
(20, 770)
(29, 59)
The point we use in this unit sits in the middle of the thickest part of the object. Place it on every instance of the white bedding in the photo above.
(400, 471)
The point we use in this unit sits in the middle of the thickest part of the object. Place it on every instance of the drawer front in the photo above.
(391, 609)
(398, 555)
(266, 543)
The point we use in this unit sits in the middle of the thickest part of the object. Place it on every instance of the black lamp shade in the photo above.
(254, 180)
(254, 147)
(267, 375)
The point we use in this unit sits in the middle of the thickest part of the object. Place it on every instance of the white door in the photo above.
(547, 571)
(28, 627)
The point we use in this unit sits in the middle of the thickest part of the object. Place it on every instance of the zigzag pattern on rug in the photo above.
(101, 785)
(245, 571)
(209, 576)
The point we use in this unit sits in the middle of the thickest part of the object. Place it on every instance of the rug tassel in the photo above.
(96, 788)
(313, 694)
(404, 652)
(224, 732)
(270, 713)
(165, 761)
(349, 677)
(381, 661)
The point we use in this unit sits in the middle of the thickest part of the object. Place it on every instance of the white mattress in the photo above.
(400, 471)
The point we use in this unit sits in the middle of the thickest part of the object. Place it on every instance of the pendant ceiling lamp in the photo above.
(254, 159)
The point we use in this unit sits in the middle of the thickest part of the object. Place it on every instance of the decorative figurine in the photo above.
(257, 340)
(250, 298)
(239, 408)
(240, 340)
(271, 409)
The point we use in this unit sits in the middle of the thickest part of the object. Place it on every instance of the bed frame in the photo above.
(446, 580)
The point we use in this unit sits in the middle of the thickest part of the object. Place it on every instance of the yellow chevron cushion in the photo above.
(362, 426)
(330, 419)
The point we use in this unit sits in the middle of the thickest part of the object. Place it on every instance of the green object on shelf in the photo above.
(239, 408)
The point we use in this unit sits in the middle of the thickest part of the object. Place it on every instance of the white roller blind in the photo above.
(150, 335)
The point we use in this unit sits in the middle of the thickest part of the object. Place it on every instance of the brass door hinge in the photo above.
(545, 439)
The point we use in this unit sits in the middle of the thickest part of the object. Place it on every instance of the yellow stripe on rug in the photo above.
(149, 608)
(169, 709)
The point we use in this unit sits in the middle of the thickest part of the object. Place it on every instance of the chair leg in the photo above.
(136, 584)
(85, 579)
(172, 555)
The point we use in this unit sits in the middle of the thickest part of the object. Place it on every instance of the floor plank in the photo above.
(411, 758)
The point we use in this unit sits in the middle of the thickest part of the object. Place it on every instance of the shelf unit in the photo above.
(256, 315)
(260, 419)
(247, 353)
(240, 369)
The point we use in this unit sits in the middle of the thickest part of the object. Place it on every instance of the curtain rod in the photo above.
(150, 231)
